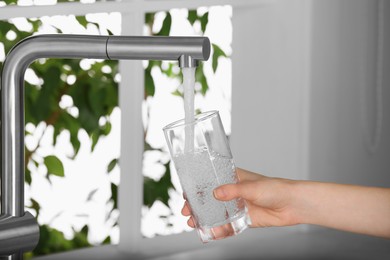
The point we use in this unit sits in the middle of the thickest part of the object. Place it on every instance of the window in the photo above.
(136, 114)
(72, 135)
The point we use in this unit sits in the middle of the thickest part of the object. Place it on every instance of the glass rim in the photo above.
(198, 118)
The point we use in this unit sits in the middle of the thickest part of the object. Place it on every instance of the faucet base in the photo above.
(18, 234)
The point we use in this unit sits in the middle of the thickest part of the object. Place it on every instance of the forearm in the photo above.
(351, 208)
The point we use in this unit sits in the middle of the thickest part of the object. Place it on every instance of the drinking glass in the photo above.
(203, 161)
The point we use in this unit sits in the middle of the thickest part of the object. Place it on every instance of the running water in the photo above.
(188, 85)
(200, 172)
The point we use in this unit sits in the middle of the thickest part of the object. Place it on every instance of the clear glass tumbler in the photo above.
(203, 161)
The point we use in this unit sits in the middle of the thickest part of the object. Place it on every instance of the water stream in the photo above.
(188, 85)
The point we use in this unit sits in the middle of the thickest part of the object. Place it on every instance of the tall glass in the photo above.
(203, 161)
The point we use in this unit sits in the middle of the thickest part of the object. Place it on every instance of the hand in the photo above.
(282, 202)
(269, 200)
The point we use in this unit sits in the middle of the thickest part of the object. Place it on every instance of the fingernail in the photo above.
(219, 193)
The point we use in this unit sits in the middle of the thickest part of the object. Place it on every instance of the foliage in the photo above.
(54, 165)
(158, 190)
(94, 95)
(10, 2)
(14, 2)
(53, 240)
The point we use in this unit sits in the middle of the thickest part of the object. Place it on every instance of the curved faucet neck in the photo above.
(188, 50)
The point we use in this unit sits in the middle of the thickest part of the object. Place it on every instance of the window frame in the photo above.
(131, 96)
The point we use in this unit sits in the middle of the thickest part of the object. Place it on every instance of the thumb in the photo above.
(232, 191)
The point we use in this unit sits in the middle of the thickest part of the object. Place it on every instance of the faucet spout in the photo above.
(186, 61)
(159, 48)
(187, 50)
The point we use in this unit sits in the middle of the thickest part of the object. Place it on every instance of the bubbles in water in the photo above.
(200, 174)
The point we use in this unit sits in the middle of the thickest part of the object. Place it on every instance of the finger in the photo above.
(190, 222)
(186, 211)
(245, 190)
(222, 231)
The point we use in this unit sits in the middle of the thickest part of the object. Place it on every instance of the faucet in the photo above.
(19, 231)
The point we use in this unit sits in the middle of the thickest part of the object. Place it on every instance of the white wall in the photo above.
(302, 77)
(343, 82)
(270, 66)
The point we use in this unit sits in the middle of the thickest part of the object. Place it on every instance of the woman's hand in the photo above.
(269, 200)
(282, 202)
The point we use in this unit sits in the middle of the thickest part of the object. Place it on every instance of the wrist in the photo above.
(301, 206)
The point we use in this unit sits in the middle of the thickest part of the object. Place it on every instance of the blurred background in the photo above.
(301, 86)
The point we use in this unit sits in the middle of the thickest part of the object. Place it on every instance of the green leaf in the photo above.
(58, 30)
(35, 205)
(82, 20)
(114, 195)
(52, 240)
(96, 97)
(204, 84)
(154, 63)
(46, 103)
(218, 52)
(107, 241)
(177, 93)
(149, 84)
(148, 147)
(201, 78)
(95, 138)
(10, 2)
(5, 27)
(74, 140)
(91, 194)
(158, 190)
(73, 125)
(192, 16)
(204, 20)
(27, 176)
(166, 26)
(106, 129)
(31, 95)
(35, 24)
(149, 18)
(150, 192)
(110, 32)
(80, 239)
(54, 165)
(87, 117)
(112, 165)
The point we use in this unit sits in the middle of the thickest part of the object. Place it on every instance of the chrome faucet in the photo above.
(19, 230)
